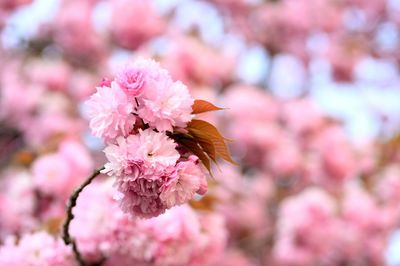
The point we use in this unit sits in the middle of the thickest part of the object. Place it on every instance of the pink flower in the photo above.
(362, 210)
(285, 158)
(161, 103)
(17, 203)
(141, 164)
(17, 99)
(256, 105)
(96, 217)
(78, 158)
(75, 32)
(39, 129)
(139, 76)
(51, 174)
(147, 149)
(175, 234)
(38, 249)
(214, 66)
(294, 113)
(145, 163)
(58, 173)
(156, 148)
(140, 195)
(184, 184)
(237, 193)
(131, 81)
(110, 113)
(82, 85)
(180, 236)
(339, 158)
(154, 188)
(132, 35)
(165, 104)
(306, 228)
(212, 242)
(366, 225)
(121, 155)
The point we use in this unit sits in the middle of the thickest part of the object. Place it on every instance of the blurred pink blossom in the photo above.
(306, 228)
(37, 249)
(17, 203)
(74, 31)
(178, 237)
(132, 35)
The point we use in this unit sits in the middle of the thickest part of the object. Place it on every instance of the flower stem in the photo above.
(70, 216)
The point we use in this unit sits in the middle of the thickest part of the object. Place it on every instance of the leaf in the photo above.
(24, 157)
(206, 203)
(202, 106)
(208, 147)
(222, 149)
(53, 225)
(205, 141)
(206, 132)
(204, 127)
(193, 146)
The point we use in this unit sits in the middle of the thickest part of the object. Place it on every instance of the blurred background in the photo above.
(312, 89)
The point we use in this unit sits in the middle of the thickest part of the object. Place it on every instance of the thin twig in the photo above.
(78, 255)
(70, 216)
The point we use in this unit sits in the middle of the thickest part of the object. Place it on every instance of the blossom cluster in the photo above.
(180, 236)
(136, 114)
(58, 173)
(37, 249)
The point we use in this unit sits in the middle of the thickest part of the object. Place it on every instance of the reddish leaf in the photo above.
(53, 225)
(204, 141)
(24, 157)
(206, 203)
(204, 128)
(196, 149)
(202, 106)
(208, 147)
(222, 149)
(206, 132)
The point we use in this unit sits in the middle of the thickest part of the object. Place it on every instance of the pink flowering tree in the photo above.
(106, 158)
(157, 153)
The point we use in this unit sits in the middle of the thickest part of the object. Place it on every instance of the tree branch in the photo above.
(70, 216)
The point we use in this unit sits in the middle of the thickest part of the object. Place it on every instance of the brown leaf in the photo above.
(53, 225)
(205, 141)
(206, 132)
(222, 149)
(24, 157)
(202, 106)
(193, 146)
(204, 127)
(206, 203)
(208, 147)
